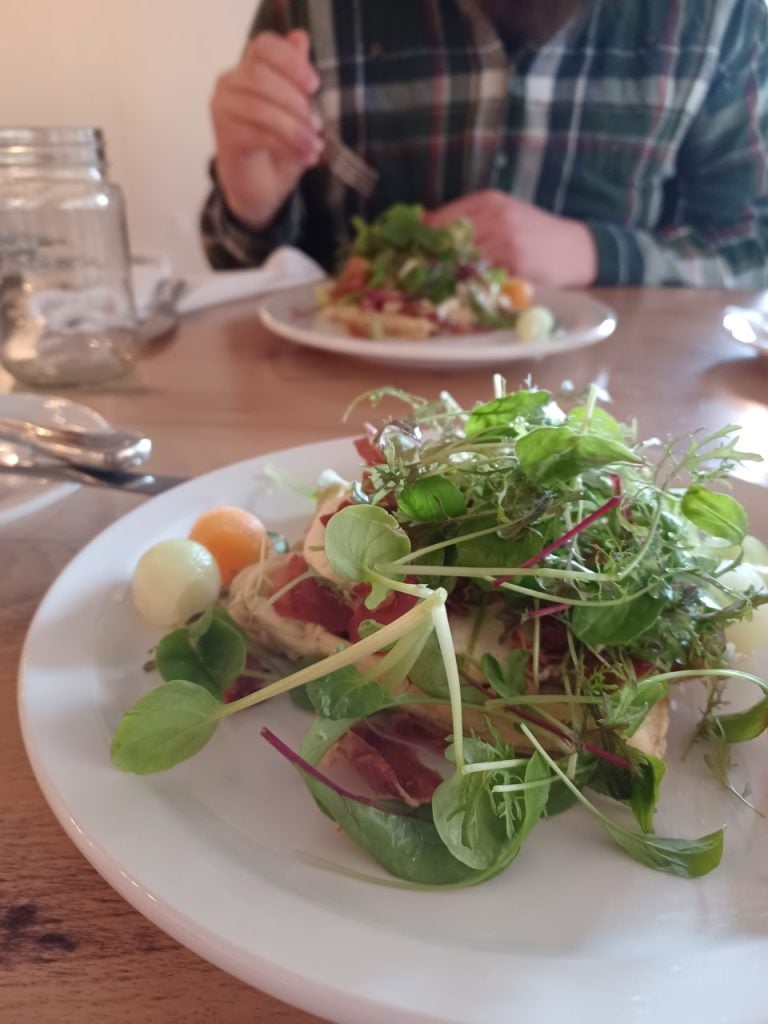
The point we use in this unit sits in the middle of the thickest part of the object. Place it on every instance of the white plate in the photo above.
(583, 321)
(20, 496)
(214, 851)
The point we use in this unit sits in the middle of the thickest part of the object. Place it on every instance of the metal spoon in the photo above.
(108, 449)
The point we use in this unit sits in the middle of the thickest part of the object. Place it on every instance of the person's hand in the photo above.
(528, 241)
(266, 128)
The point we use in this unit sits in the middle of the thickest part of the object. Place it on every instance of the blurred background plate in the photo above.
(582, 319)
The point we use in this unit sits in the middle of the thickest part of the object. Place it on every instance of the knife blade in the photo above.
(133, 483)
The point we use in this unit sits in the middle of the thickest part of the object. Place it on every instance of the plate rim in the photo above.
(442, 351)
(315, 995)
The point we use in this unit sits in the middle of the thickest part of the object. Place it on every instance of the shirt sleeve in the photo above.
(228, 243)
(720, 234)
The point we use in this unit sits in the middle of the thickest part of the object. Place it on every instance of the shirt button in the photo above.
(501, 160)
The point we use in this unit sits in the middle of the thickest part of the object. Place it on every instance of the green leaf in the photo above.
(497, 418)
(509, 679)
(428, 675)
(344, 694)
(601, 422)
(537, 796)
(645, 789)
(615, 624)
(165, 727)
(211, 652)
(406, 846)
(561, 798)
(629, 705)
(466, 821)
(742, 726)
(431, 499)
(686, 858)
(492, 550)
(557, 454)
(360, 537)
(719, 515)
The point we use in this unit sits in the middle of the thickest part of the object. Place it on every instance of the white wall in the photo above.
(143, 70)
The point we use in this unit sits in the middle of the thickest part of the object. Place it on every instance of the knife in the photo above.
(134, 483)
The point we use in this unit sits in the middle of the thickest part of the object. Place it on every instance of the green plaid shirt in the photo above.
(645, 119)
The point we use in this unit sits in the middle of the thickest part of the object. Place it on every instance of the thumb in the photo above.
(299, 40)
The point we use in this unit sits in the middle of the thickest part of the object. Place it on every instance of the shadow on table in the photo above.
(746, 377)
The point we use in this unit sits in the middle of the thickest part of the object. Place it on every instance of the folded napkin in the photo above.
(285, 268)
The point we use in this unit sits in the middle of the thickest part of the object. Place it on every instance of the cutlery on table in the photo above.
(109, 449)
(12, 464)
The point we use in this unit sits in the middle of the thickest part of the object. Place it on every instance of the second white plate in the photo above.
(583, 320)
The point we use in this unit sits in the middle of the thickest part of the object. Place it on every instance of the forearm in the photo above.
(229, 244)
(717, 257)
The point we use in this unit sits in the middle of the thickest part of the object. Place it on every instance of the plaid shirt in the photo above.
(645, 119)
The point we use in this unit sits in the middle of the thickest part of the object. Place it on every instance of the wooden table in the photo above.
(219, 390)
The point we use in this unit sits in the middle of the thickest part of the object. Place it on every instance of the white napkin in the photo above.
(285, 268)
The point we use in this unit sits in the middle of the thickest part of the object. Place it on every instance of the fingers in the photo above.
(288, 55)
(269, 95)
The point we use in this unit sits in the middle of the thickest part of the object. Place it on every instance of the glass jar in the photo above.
(67, 314)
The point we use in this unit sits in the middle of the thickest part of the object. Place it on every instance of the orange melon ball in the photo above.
(518, 291)
(235, 537)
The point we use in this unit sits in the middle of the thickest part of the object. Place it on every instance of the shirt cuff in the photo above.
(619, 256)
(230, 243)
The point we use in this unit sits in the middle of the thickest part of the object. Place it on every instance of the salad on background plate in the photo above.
(489, 627)
(403, 278)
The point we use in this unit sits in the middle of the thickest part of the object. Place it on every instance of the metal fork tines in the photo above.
(348, 166)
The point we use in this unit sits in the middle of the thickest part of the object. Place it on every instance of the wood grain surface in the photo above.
(221, 389)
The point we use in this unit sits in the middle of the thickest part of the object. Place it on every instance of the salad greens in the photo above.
(555, 529)
(404, 277)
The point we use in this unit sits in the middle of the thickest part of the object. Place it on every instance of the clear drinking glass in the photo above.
(67, 314)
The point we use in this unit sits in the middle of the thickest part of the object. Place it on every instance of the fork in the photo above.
(347, 166)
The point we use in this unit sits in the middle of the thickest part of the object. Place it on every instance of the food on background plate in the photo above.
(487, 624)
(405, 279)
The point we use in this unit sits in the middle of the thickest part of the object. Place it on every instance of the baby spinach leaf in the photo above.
(741, 726)
(536, 796)
(345, 694)
(557, 454)
(496, 419)
(719, 515)
(211, 652)
(686, 858)
(561, 798)
(428, 675)
(407, 846)
(615, 624)
(165, 727)
(507, 680)
(644, 795)
(466, 820)
(431, 499)
(360, 537)
(493, 550)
